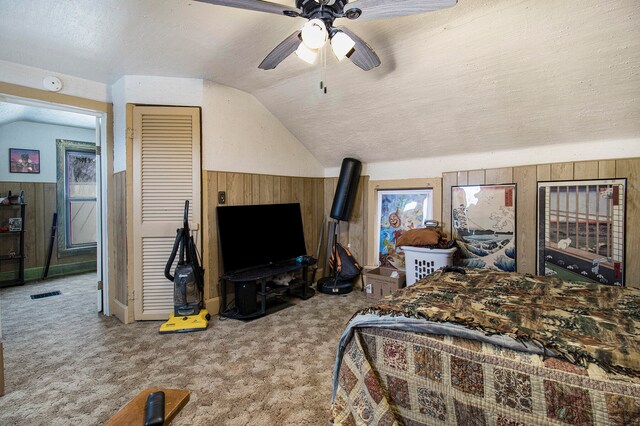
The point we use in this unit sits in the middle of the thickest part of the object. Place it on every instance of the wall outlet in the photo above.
(222, 197)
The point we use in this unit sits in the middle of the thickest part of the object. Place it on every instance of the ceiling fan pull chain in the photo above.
(323, 71)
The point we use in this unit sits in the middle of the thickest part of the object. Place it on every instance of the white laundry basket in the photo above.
(421, 261)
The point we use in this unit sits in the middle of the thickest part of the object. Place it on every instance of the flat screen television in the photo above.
(259, 235)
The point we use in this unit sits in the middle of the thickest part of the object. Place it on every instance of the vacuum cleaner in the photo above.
(188, 284)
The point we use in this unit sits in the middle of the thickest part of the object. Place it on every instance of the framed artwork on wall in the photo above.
(483, 225)
(398, 211)
(581, 230)
(24, 160)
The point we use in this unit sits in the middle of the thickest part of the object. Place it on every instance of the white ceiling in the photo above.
(484, 75)
(10, 112)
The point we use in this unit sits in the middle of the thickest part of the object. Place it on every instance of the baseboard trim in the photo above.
(120, 311)
(33, 274)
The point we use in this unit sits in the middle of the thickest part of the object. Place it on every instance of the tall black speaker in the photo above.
(346, 189)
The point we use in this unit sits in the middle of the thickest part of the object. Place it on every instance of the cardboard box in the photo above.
(379, 283)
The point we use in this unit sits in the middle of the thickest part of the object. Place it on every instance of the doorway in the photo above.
(55, 162)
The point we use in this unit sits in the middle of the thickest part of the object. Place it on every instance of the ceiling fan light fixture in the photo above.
(306, 54)
(342, 45)
(314, 34)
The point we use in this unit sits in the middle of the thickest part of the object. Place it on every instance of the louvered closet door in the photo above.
(166, 172)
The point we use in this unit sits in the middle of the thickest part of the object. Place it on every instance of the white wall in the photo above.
(238, 133)
(28, 135)
(242, 135)
(137, 89)
(23, 75)
(435, 166)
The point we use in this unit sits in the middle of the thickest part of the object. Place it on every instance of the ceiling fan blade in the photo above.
(382, 9)
(362, 55)
(257, 5)
(280, 53)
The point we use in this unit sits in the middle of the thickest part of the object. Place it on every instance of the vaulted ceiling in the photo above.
(11, 112)
(484, 75)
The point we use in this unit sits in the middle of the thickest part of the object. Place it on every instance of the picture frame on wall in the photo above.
(24, 160)
(15, 224)
(581, 230)
(483, 225)
(398, 211)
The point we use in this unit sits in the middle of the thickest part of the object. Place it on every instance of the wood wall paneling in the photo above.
(476, 177)
(120, 235)
(543, 172)
(562, 171)
(448, 180)
(607, 169)
(585, 170)
(248, 189)
(498, 176)
(526, 178)
(526, 188)
(463, 178)
(630, 169)
(211, 242)
(41, 204)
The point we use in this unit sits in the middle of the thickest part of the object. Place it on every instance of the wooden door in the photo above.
(166, 172)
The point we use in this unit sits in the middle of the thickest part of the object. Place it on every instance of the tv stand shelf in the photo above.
(260, 276)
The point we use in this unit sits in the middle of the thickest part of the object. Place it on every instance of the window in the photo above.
(77, 192)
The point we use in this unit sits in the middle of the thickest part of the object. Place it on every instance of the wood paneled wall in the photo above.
(246, 189)
(526, 178)
(120, 237)
(41, 204)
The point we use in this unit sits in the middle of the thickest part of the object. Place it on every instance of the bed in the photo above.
(492, 348)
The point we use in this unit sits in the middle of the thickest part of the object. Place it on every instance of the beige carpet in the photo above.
(67, 365)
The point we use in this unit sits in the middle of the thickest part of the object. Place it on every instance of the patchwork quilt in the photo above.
(492, 348)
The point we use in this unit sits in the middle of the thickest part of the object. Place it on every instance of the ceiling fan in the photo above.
(320, 28)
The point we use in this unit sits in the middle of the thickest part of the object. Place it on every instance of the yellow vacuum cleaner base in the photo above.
(186, 324)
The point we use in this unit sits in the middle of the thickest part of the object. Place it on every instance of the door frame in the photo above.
(104, 129)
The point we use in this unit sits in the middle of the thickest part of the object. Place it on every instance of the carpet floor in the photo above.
(65, 364)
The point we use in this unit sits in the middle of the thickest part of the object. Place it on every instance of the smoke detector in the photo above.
(51, 83)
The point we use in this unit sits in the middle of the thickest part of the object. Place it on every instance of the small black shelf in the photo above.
(260, 275)
(19, 256)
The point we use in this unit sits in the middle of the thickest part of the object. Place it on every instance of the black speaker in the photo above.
(246, 300)
(346, 189)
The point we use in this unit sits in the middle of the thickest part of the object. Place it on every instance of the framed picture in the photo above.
(15, 224)
(398, 211)
(581, 230)
(484, 225)
(24, 160)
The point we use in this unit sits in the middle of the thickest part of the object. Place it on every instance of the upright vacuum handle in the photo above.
(174, 251)
(186, 215)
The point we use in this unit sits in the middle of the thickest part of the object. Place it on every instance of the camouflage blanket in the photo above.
(583, 323)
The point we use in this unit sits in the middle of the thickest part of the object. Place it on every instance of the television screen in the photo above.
(259, 235)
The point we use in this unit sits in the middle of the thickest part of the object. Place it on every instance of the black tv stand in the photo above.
(260, 275)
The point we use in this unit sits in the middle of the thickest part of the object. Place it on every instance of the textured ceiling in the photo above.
(481, 76)
(10, 113)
